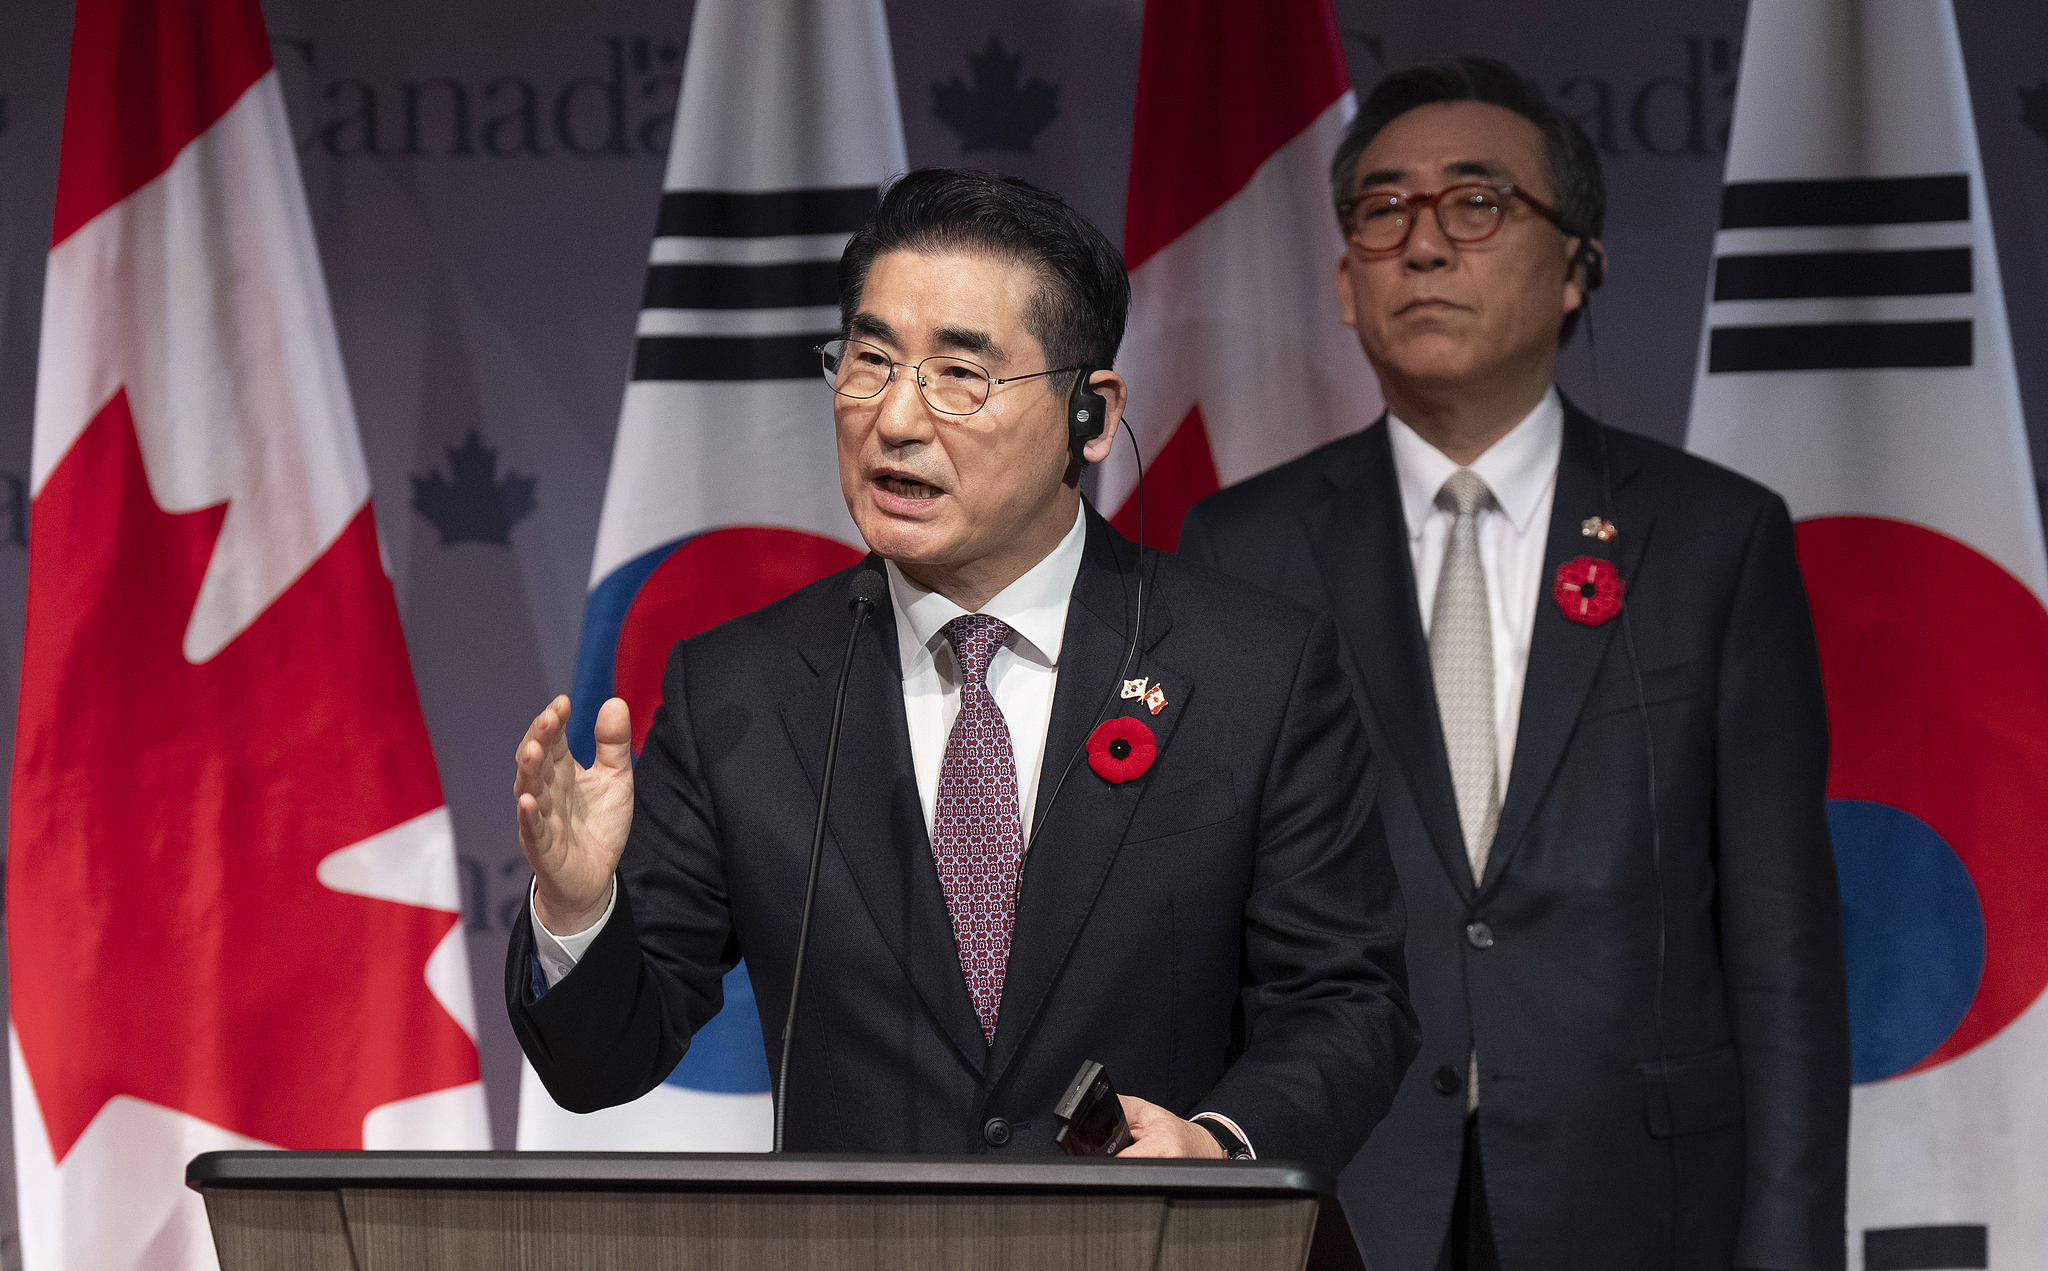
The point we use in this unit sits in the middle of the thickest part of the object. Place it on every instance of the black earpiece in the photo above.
(1592, 266)
(1087, 413)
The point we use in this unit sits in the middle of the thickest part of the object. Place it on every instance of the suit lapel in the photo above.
(1080, 819)
(1565, 656)
(877, 820)
(1360, 540)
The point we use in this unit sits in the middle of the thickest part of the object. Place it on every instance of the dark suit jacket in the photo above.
(1704, 1128)
(1224, 932)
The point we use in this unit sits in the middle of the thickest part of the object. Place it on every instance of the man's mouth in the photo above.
(907, 487)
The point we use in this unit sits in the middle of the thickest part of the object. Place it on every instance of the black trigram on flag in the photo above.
(1842, 266)
(1954, 1247)
(744, 286)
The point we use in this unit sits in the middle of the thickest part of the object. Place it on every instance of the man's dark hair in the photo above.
(1570, 160)
(1083, 298)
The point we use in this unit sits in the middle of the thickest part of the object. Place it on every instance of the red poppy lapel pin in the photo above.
(1121, 749)
(1588, 590)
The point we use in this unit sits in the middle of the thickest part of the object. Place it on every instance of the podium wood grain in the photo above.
(429, 1230)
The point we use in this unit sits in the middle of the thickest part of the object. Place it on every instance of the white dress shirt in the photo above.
(1521, 470)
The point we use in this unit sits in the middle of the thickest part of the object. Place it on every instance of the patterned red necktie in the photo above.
(977, 834)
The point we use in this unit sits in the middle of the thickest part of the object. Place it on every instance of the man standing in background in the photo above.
(1591, 660)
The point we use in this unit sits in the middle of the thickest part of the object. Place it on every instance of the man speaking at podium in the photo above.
(1089, 803)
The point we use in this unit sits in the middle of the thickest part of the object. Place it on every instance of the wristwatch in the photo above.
(1233, 1147)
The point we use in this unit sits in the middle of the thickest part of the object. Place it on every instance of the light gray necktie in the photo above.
(1461, 664)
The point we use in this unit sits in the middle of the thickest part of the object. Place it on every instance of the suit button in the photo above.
(1447, 1081)
(995, 1132)
(1479, 935)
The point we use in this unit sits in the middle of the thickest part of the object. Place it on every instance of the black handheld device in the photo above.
(1091, 1117)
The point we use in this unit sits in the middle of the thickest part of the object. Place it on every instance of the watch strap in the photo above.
(1233, 1147)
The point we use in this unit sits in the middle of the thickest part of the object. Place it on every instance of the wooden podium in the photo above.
(634, 1211)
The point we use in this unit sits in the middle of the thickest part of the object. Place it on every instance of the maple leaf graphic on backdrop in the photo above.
(168, 936)
(475, 506)
(997, 112)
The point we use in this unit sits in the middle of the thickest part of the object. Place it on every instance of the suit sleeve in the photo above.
(1781, 936)
(615, 1026)
(1329, 1031)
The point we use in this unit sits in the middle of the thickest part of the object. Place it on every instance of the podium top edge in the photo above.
(745, 1171)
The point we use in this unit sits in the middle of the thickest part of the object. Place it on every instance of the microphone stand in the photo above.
(862, 602)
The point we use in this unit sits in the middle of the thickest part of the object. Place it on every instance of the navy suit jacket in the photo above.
(1661, 1022)
(1224, 932)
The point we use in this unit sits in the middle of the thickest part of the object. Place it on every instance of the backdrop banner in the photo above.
(484, 181)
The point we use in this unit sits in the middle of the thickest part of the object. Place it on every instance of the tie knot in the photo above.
(975, 637)
(1464, 492)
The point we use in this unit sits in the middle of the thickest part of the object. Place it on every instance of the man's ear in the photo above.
(1585, 270)
(1115, 395)
(1347, 304)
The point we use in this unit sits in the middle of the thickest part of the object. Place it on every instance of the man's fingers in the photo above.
(534, 832)
(614, 735)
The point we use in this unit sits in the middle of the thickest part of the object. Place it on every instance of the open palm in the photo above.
(573, 820)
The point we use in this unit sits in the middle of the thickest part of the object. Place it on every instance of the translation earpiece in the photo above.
(1592, 266)
(1087, 414)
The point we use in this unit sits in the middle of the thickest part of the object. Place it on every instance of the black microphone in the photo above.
(863, 596)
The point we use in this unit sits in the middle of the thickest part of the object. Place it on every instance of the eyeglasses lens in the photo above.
(854, 369)
(956, 388)
(1469, 213)
(1465, 214)
(859, 370)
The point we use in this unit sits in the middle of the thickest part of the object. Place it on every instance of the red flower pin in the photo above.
(1121, 750)
(1588, 590)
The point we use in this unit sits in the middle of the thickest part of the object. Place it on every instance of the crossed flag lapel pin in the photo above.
(1153, 695)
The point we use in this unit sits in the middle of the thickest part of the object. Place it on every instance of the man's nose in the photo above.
(904, 415)
(1427, 247)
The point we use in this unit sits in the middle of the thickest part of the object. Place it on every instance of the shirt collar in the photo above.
(1519, 468)
(1034, 606)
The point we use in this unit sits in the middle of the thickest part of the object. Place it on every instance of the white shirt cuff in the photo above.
(560, 954)
(1217, 1117)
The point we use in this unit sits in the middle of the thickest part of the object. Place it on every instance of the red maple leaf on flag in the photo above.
(167, 935)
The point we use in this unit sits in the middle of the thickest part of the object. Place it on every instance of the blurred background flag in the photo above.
(724, 490)
(1237, 356)
(1856, 358)
(231, 894)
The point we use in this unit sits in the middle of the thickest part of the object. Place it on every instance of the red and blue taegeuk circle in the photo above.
(1935, 661)
(631, 620)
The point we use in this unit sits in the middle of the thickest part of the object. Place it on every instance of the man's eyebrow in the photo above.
(1475, 168)
(867, 324)
(968, 340)
(1382, 176)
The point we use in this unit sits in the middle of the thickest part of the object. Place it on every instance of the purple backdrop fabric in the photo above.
(483, 179)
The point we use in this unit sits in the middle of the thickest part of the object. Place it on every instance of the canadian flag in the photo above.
(1237, 356)
(231, 896)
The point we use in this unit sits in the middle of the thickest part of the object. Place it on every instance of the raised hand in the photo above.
(573, 820)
